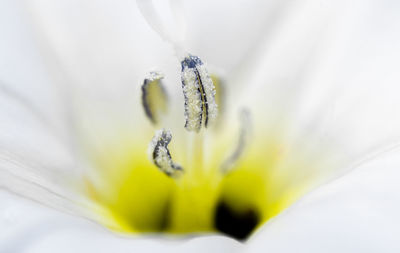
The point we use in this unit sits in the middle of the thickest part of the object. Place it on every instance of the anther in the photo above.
(154, 97)
(160, 155)
(242, 143)
(199, 94)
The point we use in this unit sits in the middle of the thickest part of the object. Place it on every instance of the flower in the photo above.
(310, 80)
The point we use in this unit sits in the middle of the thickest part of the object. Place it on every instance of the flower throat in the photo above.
(200, 110)
(179, 188)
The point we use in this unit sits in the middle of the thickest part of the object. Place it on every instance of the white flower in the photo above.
(319, 78)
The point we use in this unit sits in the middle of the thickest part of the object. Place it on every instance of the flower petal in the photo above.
(29, 227)
(102, 51)
(23, 74)
(223, 33)
(355, 213)
(36, 148)
(331, 73)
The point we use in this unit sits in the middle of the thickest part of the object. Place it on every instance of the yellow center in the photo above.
(139, 197)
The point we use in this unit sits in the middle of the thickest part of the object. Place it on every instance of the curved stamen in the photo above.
(199, 94)
(160, 155)
(243, 141)
(154, 97)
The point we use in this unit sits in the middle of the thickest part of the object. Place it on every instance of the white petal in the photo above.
(101, 51)
(29, 227)
(36, 155)
(331, 73)
(358, 212)
(22, 70)
(224, 33)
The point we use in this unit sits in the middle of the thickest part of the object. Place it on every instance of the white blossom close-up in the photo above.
(199, 126)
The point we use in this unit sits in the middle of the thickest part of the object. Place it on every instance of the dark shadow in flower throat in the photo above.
(237, 225)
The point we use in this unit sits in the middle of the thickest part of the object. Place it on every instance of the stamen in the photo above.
(154, 97)
(160, 155)
(199, 94)
(243, 141)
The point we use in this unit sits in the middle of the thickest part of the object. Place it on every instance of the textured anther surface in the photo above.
(160, 155)
(199, 94)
